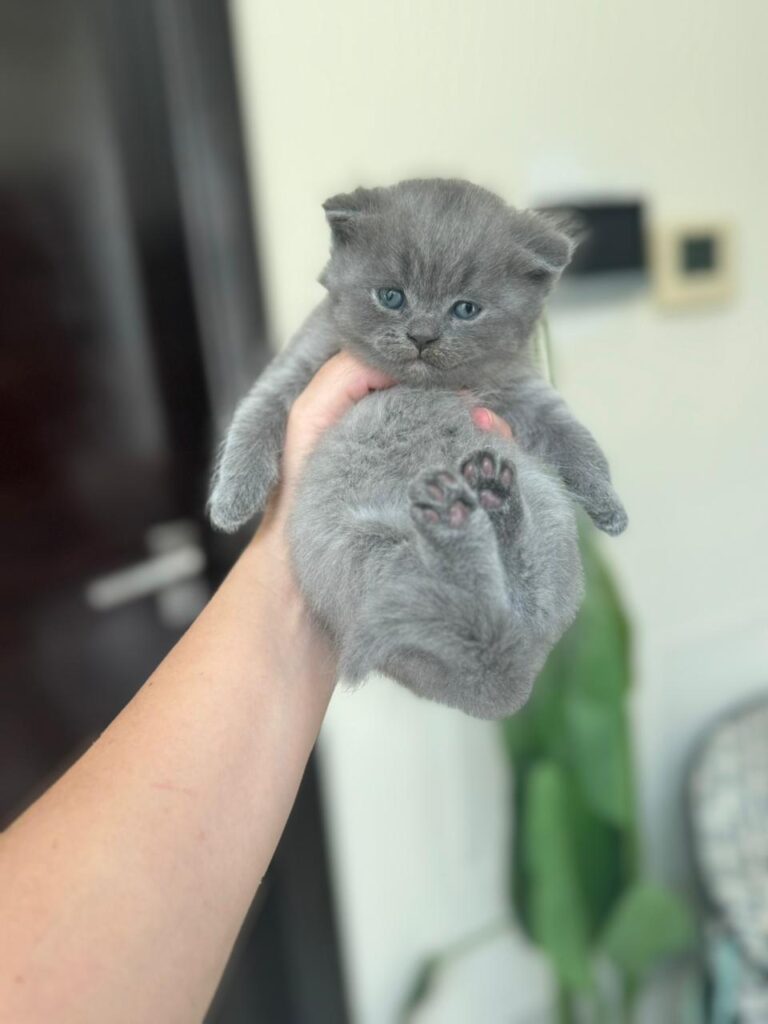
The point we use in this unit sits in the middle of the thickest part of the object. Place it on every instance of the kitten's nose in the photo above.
(422, 338)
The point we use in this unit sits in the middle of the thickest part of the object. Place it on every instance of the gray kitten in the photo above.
(435, 553)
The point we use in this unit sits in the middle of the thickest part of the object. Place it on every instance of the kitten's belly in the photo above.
(352, 502)
(381, 444)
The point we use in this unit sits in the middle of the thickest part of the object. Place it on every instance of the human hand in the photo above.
(486, 419)
(337, 386)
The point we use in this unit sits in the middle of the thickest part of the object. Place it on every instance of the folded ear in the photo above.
(544, 244)
(344, 212)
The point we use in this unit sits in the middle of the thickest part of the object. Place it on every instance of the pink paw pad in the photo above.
(441, 498)
(458, 513)
(491, 477)
(490, 500)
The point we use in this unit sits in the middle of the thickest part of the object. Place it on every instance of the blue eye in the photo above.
(465, 310)
(390, 298)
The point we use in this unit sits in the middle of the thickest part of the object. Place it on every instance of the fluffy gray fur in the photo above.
(435, 553)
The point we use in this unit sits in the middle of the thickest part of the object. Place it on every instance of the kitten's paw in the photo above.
(493, 478)
(441, 500)
(238, 497)
(229, 511)
(610, 515)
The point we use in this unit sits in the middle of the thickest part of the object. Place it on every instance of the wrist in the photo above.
(267, 555)
(292, 634)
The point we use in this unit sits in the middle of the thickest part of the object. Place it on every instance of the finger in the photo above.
(486, 419)
(336, 387)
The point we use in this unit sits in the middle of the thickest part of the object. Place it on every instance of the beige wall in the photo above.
(665, 98)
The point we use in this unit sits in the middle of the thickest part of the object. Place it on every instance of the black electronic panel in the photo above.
(611, 236)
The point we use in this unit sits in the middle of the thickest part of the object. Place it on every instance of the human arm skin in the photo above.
(123, 888)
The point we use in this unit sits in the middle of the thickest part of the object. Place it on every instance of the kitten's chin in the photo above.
(420, 373)
(416, 371)
(413, 371)
(407, 370)
(428, 374)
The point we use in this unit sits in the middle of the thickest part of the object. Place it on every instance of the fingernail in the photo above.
(482, 418)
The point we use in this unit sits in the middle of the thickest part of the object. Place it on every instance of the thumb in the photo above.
(336, 387)
(486, 419)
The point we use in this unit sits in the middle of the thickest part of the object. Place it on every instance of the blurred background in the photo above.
(162, 166)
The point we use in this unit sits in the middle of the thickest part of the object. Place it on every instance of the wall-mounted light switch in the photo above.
(692, 263)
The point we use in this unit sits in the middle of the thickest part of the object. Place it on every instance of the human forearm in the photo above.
(141, 862)
(123, 887)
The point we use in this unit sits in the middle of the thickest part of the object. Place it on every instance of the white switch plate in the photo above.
(693, 263)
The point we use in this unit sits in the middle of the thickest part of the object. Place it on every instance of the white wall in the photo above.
(661, 98)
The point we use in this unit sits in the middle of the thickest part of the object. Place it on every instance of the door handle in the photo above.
(176, 556)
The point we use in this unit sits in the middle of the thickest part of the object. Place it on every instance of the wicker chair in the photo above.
(728, 812)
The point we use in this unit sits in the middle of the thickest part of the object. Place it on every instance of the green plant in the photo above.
(577, 886)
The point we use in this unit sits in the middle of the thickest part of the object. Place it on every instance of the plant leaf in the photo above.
(599, 852)
(602, 620)
(421, 987)
(555, 902)
(649, 923)
(599, 755)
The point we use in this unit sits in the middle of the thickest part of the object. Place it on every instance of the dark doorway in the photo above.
(130, 319)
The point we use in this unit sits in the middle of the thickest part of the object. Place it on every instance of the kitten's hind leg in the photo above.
(439, 620)
(455, 537)
(493, 479)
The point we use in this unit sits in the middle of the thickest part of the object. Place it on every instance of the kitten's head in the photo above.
(438, 281)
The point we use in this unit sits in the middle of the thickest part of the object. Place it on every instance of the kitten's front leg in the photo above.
(543, 425)
(494, 480)
(456, 538)
(248, 465)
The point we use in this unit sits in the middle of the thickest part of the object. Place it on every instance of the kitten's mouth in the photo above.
(421, 365)
(432, 361)
(425, 368)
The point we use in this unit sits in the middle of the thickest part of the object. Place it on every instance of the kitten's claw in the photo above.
(492, 477)
(441, 499)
